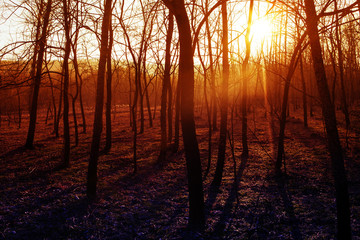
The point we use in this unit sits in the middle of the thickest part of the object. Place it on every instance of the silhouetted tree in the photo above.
(186, 84)
(67, 22)
(165, 87)
(108, 90)
(95, 144)
(245, 151)
(223, 99)
(328, 111)
(37, 80)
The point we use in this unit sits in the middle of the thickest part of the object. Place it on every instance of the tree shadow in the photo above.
(13, 152)
(289, 207)
(232, 198)
(57, 222)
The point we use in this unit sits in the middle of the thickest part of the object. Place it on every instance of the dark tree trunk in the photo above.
(328, 111)
(170, 112)
(165, 87)
(303, 82)
(146, 90)
(186, 80)
(177, 118)
(36, 84)
(19, 108)
(224, 100)
(245, 152)
(66, 148)
(77, 76)
(292, 67)
(344, 104)
(95, 145)
(213, 102)
(108, 91)
(56, 127)
(82, 107)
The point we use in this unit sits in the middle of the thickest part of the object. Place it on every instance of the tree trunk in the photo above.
(36, 87)
(19, 107)
(95, 145)
(292, 67)
(108, 91)
(328, 111)
(165, 87)
(304, 92)
(245, 152)
(344, 108)
(224, 100)
(82, 106)
(186, 80)
(177, 118)
(66, 148)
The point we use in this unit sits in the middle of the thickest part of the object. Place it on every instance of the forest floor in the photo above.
(39, 200)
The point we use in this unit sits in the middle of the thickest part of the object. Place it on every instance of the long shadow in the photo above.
(55, 223)
(289, 208)
(227, 211)
(154, 203)
(13, 152)
(145, 171)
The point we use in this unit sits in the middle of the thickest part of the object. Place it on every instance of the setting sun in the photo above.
(261, 31)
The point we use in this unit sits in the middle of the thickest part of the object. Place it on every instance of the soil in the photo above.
(41, 200)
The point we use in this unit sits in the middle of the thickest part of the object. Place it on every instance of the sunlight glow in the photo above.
(261, 31)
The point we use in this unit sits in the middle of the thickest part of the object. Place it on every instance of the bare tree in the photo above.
(165, 87)
(224, 99)
(328, 111)
(245, 151)
(95, 145)
(36, 85)
(67, 22)
(186, 84)
(108, 90)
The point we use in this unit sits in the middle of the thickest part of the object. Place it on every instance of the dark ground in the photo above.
(39, 200)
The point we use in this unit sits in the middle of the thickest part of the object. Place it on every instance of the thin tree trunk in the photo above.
(245, 152)
(224, 100)
(82, 107)
(147, 92)
(36, 87)
(212, 75)
(165, 87)
(292, 67)
(177, 119)
(304, 92)
(19, 107)
(344, 108)
(66, 148)
(95, 145)
(170, 112)
(108, 91)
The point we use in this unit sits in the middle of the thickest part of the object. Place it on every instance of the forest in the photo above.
(178, 119)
